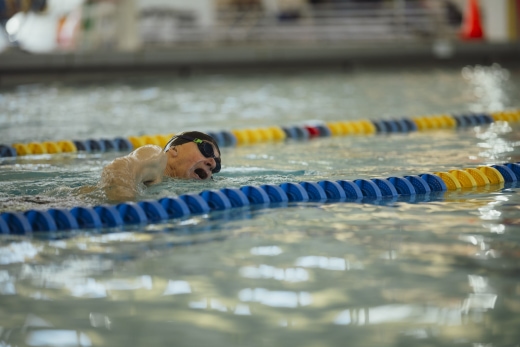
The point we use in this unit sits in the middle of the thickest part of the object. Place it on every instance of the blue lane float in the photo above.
(391, 126)
(296, 133)
(96, 145)
(217, 136)
(216, 200)
(386, 188)
(236, 197)
(402, 185)
(435, 183)
(40, 220)
(195, 203)
(352, 190)
(406, 126)
(472, 119)
(123, 144)
(380, 126)
(7, 151)
(132, 213)
(110, 145)
(333, 190)
(515, 168)
(314, 191)
(152, 211)
(465, 120)
(256, 195)
(229, 140)
(295, 192)
(276, 193)
(63, 218)
(4, 227)
(506, 172)
(82, 146)
(175, 207)
(86, 217)
(419, 184)
(485, 118)
(411, 124)
(109, 216)
(394, 125)
(17, 223)
(323, 131)
(369, 189)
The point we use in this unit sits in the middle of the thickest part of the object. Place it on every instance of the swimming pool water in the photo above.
(418, 272)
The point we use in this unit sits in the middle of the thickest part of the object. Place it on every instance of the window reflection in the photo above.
(57, 338)
(321, 262)
(266, 250)
(217, 305)
(484, 297)
(18, 252)
(495, 228)
(6, 283)
(479, 302)
(483, 248)
(399, 313)
(141, 282)
(198, 305)
(90, 289)
(177, 287)
(99, 320)
(242, 310)
(493, 144)
(39, 296)
(275, 298)
(37, 331)
(489, 213)
(271, 272)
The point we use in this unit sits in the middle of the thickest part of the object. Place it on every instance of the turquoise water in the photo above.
(427, 271)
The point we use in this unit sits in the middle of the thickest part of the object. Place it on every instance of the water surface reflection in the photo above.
(429, 273)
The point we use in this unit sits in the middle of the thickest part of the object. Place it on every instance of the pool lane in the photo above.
(242, 137)
(428, 187)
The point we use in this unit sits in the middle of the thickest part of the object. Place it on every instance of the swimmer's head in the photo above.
(192, 154)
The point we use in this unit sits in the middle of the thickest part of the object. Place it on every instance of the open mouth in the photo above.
(201, 173)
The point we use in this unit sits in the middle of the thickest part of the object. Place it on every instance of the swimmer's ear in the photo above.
(172, 151)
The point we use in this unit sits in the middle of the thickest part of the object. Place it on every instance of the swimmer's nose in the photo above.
(211, 163)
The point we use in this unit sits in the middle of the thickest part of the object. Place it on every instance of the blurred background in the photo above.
(40, 35)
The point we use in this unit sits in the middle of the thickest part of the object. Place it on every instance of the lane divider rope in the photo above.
(156, 211)
(240, 137)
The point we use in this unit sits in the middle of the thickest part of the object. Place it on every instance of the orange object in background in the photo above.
(472, 24)
(67, 30)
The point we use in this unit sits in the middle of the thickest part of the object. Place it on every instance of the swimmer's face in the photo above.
(186, 161)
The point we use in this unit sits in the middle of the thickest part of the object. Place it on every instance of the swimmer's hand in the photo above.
(122, 178)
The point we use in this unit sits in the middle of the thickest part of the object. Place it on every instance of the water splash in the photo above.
(488, 87)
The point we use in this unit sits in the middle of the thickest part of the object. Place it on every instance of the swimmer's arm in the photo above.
(121, 178)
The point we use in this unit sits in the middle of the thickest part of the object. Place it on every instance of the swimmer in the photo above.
(188, 155)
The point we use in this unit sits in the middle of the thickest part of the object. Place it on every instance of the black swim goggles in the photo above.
(206, 149)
